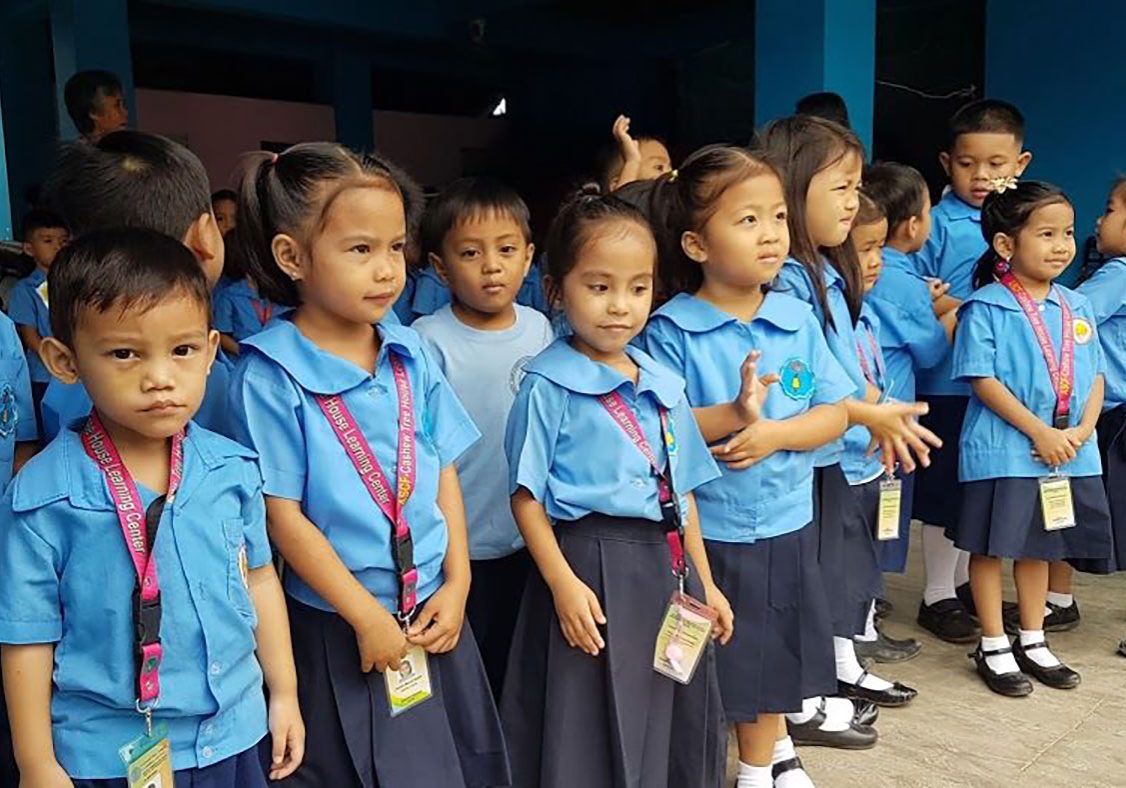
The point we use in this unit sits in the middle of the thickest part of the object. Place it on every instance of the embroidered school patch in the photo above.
(1083, 332)
(9, 413)
(798, 381)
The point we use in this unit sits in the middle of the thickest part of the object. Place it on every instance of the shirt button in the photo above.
(639, 483)
(208, 752)
(216, 668)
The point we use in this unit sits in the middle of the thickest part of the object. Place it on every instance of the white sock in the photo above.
(1000, 663)
(809, 707)
(848, 667)
(836, 718)
(870, 632)
(754, 776)
(1041, 656)
(1061, 600)
(962, 568)
(940, 559)
(794, 778)
(783, 750)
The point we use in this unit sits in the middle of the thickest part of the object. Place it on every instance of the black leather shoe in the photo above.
(948, 620)
(885, 649)
(1059, 619)
(1059, 677)
(1122, 648)
(883, 608)
(854, 737)
(866, 712)
(966, 597)
(792, 765)
(1012, 685)
(895, 695)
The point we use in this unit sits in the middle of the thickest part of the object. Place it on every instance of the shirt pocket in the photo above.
(238, 571)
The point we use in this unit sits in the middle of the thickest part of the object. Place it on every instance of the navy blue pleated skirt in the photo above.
(611, 721)
(1002, 518)
(244, 770)
(938, 493)
(453, 739)
(782, 651)
(892, 553)
(1112, 445)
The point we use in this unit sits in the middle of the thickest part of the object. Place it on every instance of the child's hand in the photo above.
(752, 444)
(900, 437)
(48, 774)
(753, 389)
(287, 735)
(579, 614)
(937, 287)
(628, 146)
(724, 626)
(438, 627)
(1077, 436)
(1053, 447)
(381, 641)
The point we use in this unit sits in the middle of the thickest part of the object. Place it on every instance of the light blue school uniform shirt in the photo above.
(1106, 292)
(911, 338)
(794, 280)
(950, 254)
(64, 403)
(27, 307)
(17, 414)
(859, 467)
(67, 578)
(402, 308)
(995, 339)
(485, 369)
(235, 310)
(274, 410)
(708, 346)
(566, 450)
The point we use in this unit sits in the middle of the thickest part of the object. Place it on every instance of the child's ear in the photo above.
(693, 247)
(287, 254)
(27, 248)
(913, 225)
(944, 160)
(439, 267)
(59, 360)
(531, 256)
(1023, 160)
(212, 348)
(206, 243)
(1004, 245)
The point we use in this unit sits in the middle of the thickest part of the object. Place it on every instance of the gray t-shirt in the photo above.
(485, 369)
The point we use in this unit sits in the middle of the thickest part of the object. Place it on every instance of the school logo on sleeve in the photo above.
(42, 291)
(798, 381)
(1083, 332)
(9, 412)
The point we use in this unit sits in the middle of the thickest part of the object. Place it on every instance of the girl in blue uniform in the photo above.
(822, 165)
(725, 239)
(358, 432)
(604, 455)
(1031, 472)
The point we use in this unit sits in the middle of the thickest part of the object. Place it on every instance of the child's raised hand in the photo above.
(579, 613)
(937, 288)
(287, 735)
(724, 626)
(381, 641)
(438, 627)
(753, 390)
(628, 146)
(752, 444)
(1053, 447)
(45, 775)
(900, 437)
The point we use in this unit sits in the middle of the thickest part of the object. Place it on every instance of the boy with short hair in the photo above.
(641, 158)
(121, 628)
(96, 103)
(476, 237)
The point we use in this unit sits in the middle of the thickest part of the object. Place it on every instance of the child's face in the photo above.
(832, 200)
(655, 160)
(746, 240)
(1045, 245)
(977, 159)
(110, 114)
(484, 261)
(1111, 226)
(608, 293)
(44, 244)
(225, 215)
(146, 369)
(868, 241)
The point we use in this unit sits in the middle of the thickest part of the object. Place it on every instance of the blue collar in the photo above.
(319, 371)
(998, 295)
(37, 277)
(563, 365)
(893, 258)
(694, 314)
(957, 208)
(240, 287)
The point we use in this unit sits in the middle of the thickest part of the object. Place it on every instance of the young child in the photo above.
(481, 238)
(224, 204)
(632, 159)
(375, 579)
(133, 179)
(1031, 473)
(121, 630)
(725, 241)
(985, 143)
(601, 441)
(44, 234)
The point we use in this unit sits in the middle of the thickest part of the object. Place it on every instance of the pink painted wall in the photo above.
(220, 128)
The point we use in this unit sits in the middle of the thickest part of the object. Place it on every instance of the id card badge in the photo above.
(891, 502)
(684, 634)
(148, 760)
(1056, 503)
(410, 684)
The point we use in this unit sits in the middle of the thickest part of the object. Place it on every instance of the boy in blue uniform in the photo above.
(91, 638)
(133, 179)
(985, 143)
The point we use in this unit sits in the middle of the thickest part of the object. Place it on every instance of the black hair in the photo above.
(40, 219)
(684, 202)
(610, 161)
(82, 93)
(129, 179)
(464, 200)
(827, 105)
(1007, 212)
(900, 190)
(986, 116)
(575, 225)
(123, 268)
(224, 194)
(285, 193)
(802, 146)
(870, 212)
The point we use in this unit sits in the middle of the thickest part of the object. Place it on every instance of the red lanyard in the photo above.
(371, 474)
(880, 376)
(1061, 373)
(135, 525)
(624, 417)
(263, 308)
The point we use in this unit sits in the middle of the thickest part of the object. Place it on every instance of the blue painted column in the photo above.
(351, 98)
(5, 202)
(90, 34)
(809, 46)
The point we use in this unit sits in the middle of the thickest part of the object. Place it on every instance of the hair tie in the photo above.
(273, 159)
(673, 175)
(1004, 183)
(1002, 267)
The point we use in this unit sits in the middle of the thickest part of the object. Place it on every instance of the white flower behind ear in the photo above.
(1003, 183)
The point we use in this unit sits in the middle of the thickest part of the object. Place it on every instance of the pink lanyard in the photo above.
(625, 418)
(135, 526)
(263, 309)
(1061, 373)
(371, 474)
(876, 381)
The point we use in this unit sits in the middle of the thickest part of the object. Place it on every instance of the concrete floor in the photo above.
(958, 733)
